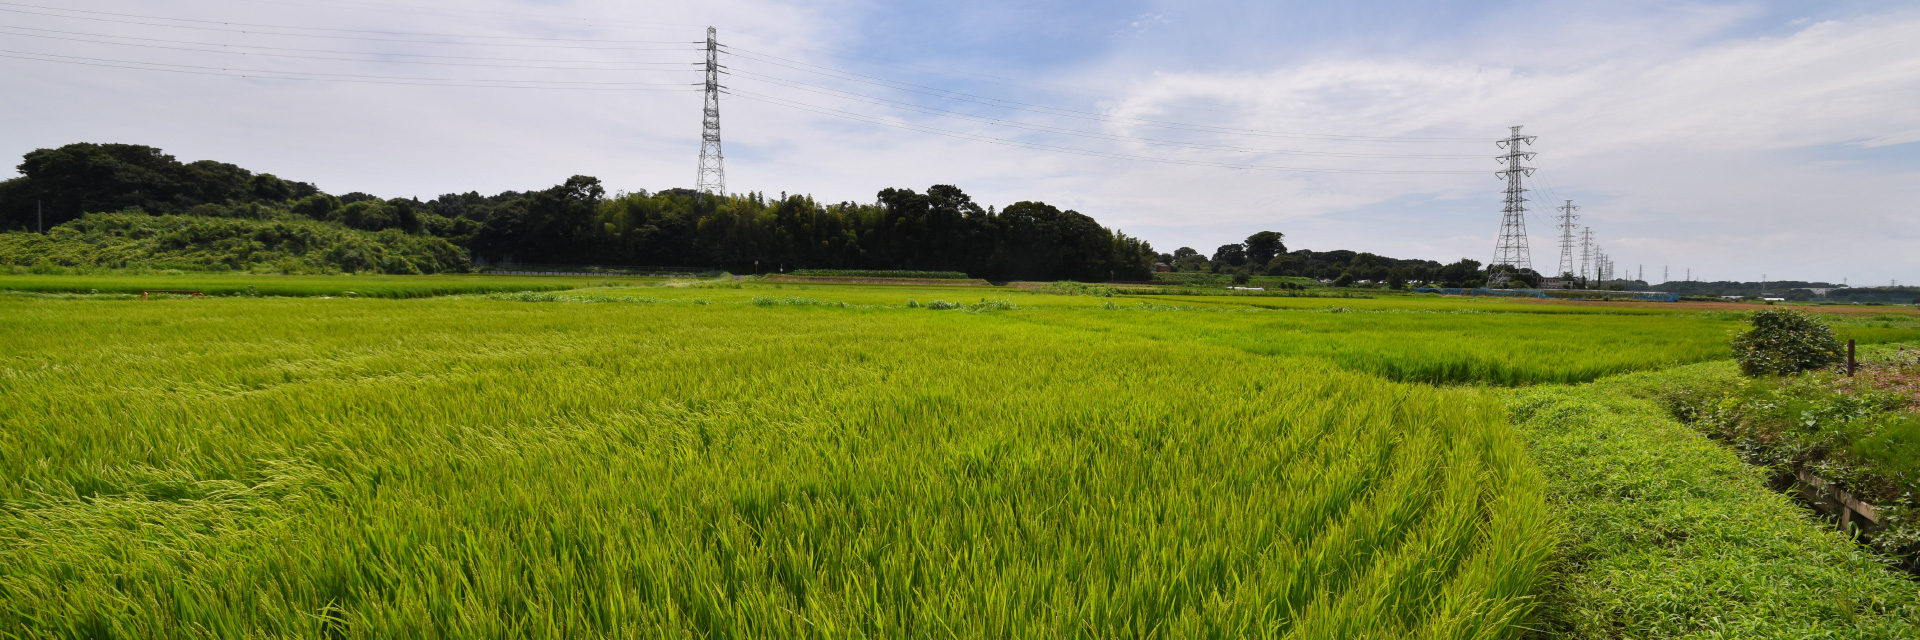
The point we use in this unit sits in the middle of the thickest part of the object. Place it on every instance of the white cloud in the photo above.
(1788, 153)
(1690, 155)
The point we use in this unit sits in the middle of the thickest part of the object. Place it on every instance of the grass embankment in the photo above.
(1671, 535)
(1861, 434)
(485, 468)
(280, 244)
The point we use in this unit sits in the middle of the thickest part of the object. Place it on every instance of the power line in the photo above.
(287, 75)
(687, 46)
(1037, 108)
(226, 26)
(389, 7)
(1031, 145)
(1039, 85)
(306, 57)
(301, 28)
(1076, 132)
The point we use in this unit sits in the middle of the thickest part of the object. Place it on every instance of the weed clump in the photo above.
(1071, 288)
(1785, 342)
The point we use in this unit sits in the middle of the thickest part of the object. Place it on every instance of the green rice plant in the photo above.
(1439, 348)
(455, 468)
(869, 273)
(770, 301)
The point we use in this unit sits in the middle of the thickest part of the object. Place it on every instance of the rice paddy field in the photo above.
(660, 459)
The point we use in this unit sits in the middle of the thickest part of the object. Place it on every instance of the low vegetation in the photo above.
(1785, 342)
(282, 244)
(1861, 434)
(1671, 535)
(374, 286)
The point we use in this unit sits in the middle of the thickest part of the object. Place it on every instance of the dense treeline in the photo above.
(1791, 290)
(577, 222)
(1265, 253)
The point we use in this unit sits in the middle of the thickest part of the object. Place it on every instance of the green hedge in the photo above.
(285, 244)
(1671, 535)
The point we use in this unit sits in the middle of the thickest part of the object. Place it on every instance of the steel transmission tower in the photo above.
(1511, 249)
(1586, 255)
(1567, 216)
(713, 174)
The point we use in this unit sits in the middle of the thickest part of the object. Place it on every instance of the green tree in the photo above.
(83, 178)
(1785, 341)
(1263, 246)
(1229, 255)
(1465, 273)
(1345, 279)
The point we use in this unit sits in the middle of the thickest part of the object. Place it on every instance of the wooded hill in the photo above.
(575, 222)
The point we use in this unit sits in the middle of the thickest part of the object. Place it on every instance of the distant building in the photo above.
(1162, 267)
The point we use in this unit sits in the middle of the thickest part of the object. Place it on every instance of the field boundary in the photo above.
(791, 279)
(1671, 534)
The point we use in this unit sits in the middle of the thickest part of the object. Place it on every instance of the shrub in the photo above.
(1783, 342)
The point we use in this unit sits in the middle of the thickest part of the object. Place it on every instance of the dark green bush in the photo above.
(1785, 341)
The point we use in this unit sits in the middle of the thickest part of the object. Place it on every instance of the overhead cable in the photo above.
(1037, 108)
(1070, 150)
(686, 66)
(300, 28)
(296, 75)
(686, 47)
(737, 72)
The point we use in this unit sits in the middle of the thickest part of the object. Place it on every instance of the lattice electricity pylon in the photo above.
(1511, 248)
(1586, 255)
(1567, 216)
(713, 174)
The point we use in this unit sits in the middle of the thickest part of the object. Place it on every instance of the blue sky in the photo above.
(1733, 138)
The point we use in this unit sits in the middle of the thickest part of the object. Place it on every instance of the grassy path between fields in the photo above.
(1671, 535)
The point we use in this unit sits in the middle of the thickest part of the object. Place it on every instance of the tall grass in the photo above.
(489, 468)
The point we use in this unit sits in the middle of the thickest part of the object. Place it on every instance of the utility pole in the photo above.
(39, 218)
(1641, 274)
(1663, 275)
(713, 175)
(1567, 217)
(1511, 248)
